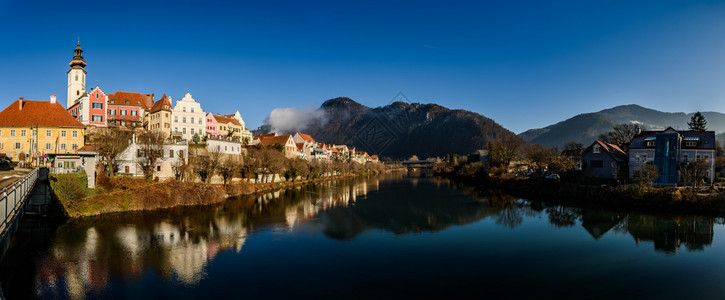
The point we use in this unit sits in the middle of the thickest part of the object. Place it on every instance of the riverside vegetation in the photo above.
(192, 184)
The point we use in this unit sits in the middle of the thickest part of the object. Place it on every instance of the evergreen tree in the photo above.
(697, 122)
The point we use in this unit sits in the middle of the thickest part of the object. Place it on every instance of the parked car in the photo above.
(553, 177)
(5, 165)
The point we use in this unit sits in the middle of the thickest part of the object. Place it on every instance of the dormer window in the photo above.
(596, 149)
(690, 143)
(127, 102)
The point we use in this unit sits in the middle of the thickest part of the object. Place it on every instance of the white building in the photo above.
(223, 146)
(188, 118)
(174, 156)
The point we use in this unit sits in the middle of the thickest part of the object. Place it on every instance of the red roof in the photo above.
(614, 149)
(226, 120)
(162, 104)
(300, 146)
(88, 148)
(272, 140)
(306, 137)
(264, 135)
(146, 101)
(42, 113)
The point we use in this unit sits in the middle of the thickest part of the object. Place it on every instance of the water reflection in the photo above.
(87, 258)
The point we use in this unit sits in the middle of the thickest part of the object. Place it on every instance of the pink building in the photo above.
(127, 109)
(90, 108)
(212, 128)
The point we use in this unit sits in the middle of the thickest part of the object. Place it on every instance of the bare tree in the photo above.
(150, 150)
(228, 167)
(621, 135)
(112, 142)
(693, 172)
(645, 174)
(501, 152)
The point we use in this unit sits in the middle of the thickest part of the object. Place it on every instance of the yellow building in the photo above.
(160, 116)
(29, 128)
(227, 124)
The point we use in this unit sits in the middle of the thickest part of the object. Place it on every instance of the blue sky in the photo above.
(524, 64)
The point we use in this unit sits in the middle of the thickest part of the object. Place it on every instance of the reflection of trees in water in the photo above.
(562, 216)
(175, 243)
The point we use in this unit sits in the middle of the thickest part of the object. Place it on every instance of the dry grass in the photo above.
(139, 195)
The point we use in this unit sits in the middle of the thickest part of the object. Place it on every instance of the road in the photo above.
(8, 177)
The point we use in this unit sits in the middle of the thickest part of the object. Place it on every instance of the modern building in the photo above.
(668, 149)
(36, 128)
(603, 160)
(189, 118)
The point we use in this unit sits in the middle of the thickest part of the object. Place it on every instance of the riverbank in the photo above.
(631, 197)
(134, 194)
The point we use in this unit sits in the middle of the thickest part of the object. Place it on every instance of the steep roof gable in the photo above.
(162, 104)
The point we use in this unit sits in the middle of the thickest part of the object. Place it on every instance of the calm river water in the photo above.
(386, 237)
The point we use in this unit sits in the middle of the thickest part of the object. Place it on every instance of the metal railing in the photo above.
(12, 198)
(62, 170)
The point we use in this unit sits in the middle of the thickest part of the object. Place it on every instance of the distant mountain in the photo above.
(400, 130)
(586, 128)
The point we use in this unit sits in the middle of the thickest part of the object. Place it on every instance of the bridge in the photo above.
(424, 166)
(16, 189)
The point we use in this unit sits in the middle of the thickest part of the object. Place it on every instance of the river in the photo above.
(383, 237)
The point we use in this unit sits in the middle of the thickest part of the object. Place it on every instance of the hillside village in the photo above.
(140, 134)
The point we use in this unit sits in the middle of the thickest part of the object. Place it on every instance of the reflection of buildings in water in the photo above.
(81, 272)
(669, 234)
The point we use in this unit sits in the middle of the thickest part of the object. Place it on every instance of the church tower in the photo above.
(76, 77)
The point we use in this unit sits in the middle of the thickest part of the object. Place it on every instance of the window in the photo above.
(184, 109)
(48, 133)
(12, 132)
(97, 118)
(134, 113)
(23, 132)
(183, 120)
(76, 80)
(97, 95)
(192, 120)
(636, 158)
(34, 132)
(63, 146)
(62, 133)
(1, 145)
(75, 147)
(171, 153)
(176, 129)
(97, 105)
(181, 154)
(126, 169)
(691, 143)
(123, 112)
(113, 112)
(158, 168)
(199, 121)
(650, 143)
(644, 158)
(184, 130)
(192, 109)
(176, 119)
(80, 118)
(17, 145)
(596, 163)
(684, 158)
(48, 146)
(192, 131)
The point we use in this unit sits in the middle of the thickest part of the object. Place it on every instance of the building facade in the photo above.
(76, 77)
(669, 150)
(128, 109)
(189, 118)
(34, 128)
(159, 118)
(603, 160)
(91, 108)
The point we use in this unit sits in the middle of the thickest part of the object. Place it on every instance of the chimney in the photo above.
(20, 103)
(52, 99)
